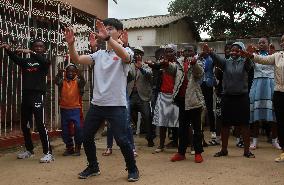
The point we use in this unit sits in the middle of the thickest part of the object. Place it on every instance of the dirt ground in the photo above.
(155, 169)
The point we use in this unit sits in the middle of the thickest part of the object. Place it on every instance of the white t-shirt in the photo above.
(110, 78)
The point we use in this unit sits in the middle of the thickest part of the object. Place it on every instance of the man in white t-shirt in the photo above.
(111, 68)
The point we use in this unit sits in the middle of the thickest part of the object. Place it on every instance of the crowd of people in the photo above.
(174, 93)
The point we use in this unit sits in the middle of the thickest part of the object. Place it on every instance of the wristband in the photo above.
(126, 45)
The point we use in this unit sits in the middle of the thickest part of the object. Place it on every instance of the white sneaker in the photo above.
(159, 149)
(24, 155)
(47, 158)
(213, 135)
(276, 145)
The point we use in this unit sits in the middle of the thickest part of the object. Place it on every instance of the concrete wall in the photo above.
(151, 38)
(94, 7)
(142, 37)
(177, 32)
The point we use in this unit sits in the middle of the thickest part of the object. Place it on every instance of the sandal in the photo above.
(221, 153)
(107, 152)
(249, 155)
(280, 158)
(213, 142)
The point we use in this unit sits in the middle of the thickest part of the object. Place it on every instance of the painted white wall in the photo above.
(142, 37)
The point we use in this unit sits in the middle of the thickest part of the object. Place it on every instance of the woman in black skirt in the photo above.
(235, 101)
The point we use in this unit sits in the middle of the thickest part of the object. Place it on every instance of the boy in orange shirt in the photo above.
(71, 89)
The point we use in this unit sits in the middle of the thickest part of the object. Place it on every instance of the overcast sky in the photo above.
(125, 9)
(137, 8)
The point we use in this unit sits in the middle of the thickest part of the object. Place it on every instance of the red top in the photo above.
(183, 87)
(168, 82)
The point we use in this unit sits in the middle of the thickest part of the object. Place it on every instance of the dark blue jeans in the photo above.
(117, 118)
(129, 136)
(129, 129)
(68, 115)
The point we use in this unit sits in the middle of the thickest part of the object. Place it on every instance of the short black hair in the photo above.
(113, 22)
(264, 37)
(159, 52)
(71, 65)
(35, 41)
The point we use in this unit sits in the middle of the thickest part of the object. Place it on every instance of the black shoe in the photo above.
(221, 153)
(68, 151)
(133, 175)
(150, 143)
(88, 172)
(240, 144)
(213, 142)
(249, 155)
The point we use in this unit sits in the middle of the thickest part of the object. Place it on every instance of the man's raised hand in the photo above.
(124, 37)
(103, 33)
(93, 40)
(69, 35)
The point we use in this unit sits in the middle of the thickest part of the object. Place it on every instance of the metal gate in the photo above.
(22, 21)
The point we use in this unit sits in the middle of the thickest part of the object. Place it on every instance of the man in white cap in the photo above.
(139, 89)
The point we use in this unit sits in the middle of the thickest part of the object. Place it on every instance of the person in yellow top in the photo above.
(71, 89)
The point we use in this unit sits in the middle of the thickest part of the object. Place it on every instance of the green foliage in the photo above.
(233, 19)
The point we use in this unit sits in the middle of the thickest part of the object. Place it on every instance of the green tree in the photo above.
(233, 19)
